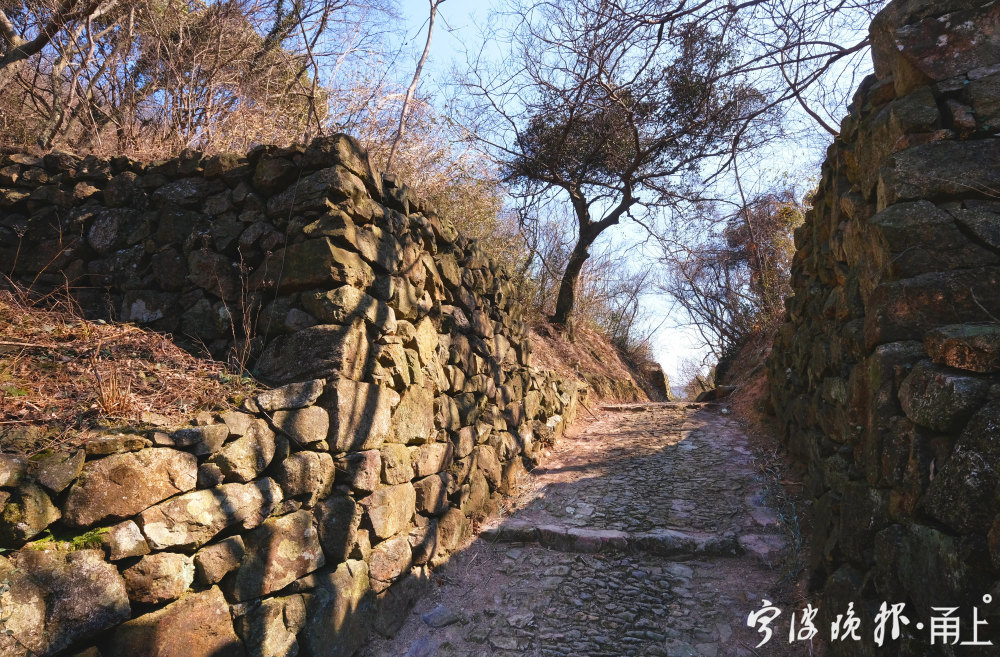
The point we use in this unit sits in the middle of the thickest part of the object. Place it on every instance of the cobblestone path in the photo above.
(646, 533)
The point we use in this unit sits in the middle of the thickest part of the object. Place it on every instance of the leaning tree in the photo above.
(617, 117)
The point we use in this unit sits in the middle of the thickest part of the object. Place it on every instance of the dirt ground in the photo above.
(654, 530)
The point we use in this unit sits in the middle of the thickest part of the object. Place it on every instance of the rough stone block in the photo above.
(159, 577)
(338, 612)
(213, 562)
(390, 508)
(360, 470)
(305, 426)
(246, 457)
(191, 520)
(338, 518)
(324, 351)
(122, 485)
(359, 414)
(202, 619)
(277, 553)
(57, 598)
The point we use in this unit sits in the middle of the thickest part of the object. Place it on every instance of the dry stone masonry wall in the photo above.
(886, 376)
(311, 516)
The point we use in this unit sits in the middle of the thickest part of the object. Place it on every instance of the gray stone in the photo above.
(309, 474)
(314, 263)
(26, 514)
(324, 351)
(293, 395)
(57, 598)
(396, 466)
(440, 616)
(268, 627)
(191, 520)
(122, 485)
(107, 445)
(347, 304)
(124, 540)
(339, 518)
(305, 426)
(940, 398)
(215, 561)
(359, 414)
(247, 456)
(202, 440)
(159, 577)
(390, 509)
(202, 619)
(338, 612)
(12, 470)
(970, 347)
(57, 471)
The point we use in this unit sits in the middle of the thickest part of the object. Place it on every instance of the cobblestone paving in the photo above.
(644, 534)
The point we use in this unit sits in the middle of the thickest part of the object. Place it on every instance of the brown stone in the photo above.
(431, 458)
(390, 559)
(413, 419)
(159, 577)
(57, 598)
(359, 414)
(197, 625)
(970, 347)
(360, 470)
(325, 351)
(309, 474)
(396, 465)
(213, 562)
(390, 508)
(432, 494)
(191, 520)
(339, 518)
(277, 553)
(122, 485)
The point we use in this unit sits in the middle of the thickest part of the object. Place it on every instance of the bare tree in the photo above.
(615, 116)
(412, 89)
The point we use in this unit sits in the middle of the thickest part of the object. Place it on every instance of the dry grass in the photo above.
(64, 379)
(591, 358)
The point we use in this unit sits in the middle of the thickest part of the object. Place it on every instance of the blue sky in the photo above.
(459, 30)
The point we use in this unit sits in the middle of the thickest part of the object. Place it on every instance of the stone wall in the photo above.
(886, 376)
(311, 516)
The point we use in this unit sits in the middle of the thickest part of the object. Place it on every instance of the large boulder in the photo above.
(191, 520)
(122, 485)
(338, 612)
(277, 553)
(940, 398)
(197, 625)
(56, 598)
(322, 351)
(312, 264)
(390, 509)
(360, 414)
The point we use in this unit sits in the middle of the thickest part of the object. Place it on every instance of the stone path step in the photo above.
(665, 543)
(646, 534)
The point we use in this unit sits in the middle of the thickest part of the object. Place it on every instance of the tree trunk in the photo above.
(567, 288)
